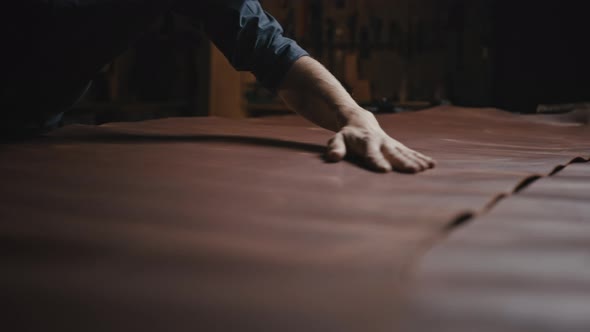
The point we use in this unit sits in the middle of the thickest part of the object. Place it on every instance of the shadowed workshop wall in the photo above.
(408, 53)
(392, 55)
(541, 53)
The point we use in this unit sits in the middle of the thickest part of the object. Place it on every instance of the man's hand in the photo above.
(362, 137)
(313, 92)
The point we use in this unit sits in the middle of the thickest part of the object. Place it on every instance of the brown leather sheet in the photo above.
(225, 225)
(525, 266)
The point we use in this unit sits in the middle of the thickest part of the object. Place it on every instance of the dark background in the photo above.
(542, 53)
(513, 55)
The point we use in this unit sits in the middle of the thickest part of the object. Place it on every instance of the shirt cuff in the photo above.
(286, 56)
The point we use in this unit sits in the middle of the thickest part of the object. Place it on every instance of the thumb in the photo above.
(336, 148)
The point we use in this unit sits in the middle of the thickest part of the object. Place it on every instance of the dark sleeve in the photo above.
(251, 39)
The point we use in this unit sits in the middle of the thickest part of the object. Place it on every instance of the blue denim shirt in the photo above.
(250, 38)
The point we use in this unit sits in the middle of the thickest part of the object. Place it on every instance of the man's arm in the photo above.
(310, 90)
(253, 40)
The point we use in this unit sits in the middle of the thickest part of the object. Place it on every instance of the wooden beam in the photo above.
(225, 95)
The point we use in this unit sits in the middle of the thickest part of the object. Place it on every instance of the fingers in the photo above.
(375, 158)
(336, 148)
(415, 157)
(404, 159)
(429, 161)
(400, 160)
(382, 154)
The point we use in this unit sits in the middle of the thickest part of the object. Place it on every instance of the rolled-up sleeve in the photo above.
(251, 39)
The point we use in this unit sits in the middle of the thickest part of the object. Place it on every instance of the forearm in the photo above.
(312, 91)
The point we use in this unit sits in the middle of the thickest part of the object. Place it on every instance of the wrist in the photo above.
(355, 115)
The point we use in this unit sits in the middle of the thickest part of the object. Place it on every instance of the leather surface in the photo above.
(225, 225)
